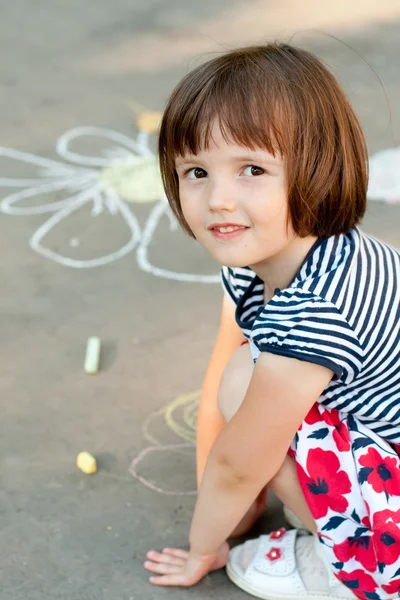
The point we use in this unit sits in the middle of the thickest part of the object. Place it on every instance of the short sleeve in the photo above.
(300, 325)
(236, 281)
(227, 281)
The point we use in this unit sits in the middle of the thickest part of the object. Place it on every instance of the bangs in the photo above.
(238, 98)
(281, 99)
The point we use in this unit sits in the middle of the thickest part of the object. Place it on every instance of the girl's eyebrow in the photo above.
(244, 158)
(183, 161)
(257, 157)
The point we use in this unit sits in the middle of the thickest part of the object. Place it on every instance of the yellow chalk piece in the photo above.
(149, 121)
(86, 463)
(92, 357)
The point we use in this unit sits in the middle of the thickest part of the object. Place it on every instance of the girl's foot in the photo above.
(285, 565)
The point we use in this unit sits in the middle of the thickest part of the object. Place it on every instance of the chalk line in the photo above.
(7, 205)
(384, 176)
(185, 401)
(151, 449)
(47, 164)
(160, 209)
(80, 200)
(91, 161)
(87, 186)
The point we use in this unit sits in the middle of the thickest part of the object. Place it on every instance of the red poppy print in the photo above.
(393, 588)
(340, 432)
(382, 473)
(358, 582)
(359, 519)
(325, 485)
(384, 516)
(365, 520)
(313, 416)
(359, 547)
(386, 536)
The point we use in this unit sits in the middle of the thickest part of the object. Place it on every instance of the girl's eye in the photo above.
(196, 173)
(253, 171)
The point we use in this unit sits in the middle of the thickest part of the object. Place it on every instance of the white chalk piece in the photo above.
(92, 357)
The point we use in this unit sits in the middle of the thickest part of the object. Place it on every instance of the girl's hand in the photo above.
(179, 567)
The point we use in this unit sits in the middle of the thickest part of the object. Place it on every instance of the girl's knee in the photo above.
(235, 381)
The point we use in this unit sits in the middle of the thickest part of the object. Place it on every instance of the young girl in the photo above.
(264, 163)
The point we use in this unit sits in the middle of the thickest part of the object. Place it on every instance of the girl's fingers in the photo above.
(164, 568)
(176, 552)
(171, 580)
(164, 557)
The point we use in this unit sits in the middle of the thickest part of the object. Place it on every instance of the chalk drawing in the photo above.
(384, 176)
(125, 172)
(159, 210)
(180, 417)
(149, 484)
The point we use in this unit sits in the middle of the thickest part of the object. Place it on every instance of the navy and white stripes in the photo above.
(342, 311)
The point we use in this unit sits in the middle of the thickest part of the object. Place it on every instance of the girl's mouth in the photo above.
(227, 231)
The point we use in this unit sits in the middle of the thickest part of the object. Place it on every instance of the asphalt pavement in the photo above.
(79, 262)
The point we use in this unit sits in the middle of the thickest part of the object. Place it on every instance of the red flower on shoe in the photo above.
(386, 536)
(278, 534)
(340, 432)
(324, 485)
(359, 547)
(274, 554)
(358, 582)
(384, 473)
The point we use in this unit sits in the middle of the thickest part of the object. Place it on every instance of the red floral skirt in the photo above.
(351, 481)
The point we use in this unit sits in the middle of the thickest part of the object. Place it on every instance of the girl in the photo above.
(264, 163)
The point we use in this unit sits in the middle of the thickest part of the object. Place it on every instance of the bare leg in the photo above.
(233, 388)
(286, 486)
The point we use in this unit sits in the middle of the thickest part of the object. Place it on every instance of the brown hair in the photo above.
(282, 99)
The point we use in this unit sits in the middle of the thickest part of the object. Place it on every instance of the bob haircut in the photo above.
(281, 99)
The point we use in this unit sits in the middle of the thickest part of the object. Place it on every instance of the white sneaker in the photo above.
(285, 566)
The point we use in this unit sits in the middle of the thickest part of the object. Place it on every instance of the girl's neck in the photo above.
(280, 270)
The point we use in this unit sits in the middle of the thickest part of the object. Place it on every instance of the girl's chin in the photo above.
(231, 256)
(230, 260)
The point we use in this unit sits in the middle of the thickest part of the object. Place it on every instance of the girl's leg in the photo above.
(234, 383)
(285, 485)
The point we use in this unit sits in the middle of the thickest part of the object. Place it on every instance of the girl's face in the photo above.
(234, 200)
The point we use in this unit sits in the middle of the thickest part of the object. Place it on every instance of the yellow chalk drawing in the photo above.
(145, 120)
(137, 179)
(180, 416)
(149, 121)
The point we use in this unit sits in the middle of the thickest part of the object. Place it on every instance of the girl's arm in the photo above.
(210, 421)
(247, 454)
(252, 446)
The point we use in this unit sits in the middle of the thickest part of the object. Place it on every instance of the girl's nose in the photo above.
(220, 197)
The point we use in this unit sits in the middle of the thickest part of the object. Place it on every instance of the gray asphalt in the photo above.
(65, 535)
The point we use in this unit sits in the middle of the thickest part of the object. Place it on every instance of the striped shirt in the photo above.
(342, 311)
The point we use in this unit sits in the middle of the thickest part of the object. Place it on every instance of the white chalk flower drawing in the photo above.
(384, 176)
(125, 173)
